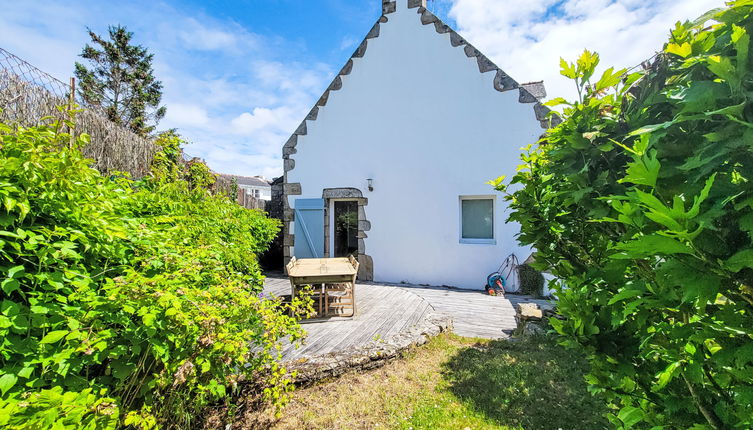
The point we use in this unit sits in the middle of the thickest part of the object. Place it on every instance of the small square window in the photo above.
(477, 220)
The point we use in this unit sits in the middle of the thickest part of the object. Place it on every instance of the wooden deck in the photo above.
(385, 310)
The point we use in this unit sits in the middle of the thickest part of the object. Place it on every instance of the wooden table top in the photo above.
(312, 267)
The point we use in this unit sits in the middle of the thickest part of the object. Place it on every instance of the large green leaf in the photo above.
(9, 286)
(644, 170)
(630, 416)
(651, 245)
(609, 78)
(667, 375)
(7, 382)
(624, 294)
(741, 260)
(567, 69)
(54, 336)
(684, 50)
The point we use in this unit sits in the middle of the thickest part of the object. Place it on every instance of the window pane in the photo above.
(478, 219)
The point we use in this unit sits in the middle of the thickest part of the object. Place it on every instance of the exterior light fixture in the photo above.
(371, 184)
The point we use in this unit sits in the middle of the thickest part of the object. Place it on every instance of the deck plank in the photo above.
(385, 310)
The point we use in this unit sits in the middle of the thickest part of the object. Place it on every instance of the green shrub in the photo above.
(531, 281)
(125, 301)
(641, 201)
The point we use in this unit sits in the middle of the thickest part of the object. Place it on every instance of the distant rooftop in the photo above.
(257, 181)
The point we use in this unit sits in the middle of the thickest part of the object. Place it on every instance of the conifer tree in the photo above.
(120, 79)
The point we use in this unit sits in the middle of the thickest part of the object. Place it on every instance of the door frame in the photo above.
(330, 225)
(330, 195)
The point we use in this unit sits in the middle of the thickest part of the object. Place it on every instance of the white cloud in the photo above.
(527, 39)
(186, 115)
(348, 42)
(235, 94)
(198, 36)
(264, 119)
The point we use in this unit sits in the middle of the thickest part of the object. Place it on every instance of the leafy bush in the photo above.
(641, 201)
(531, 281)
(131, 302)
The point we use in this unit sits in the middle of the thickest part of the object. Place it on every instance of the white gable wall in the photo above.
(416, 115)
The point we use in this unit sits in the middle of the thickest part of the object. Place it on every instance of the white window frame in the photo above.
(493, 240)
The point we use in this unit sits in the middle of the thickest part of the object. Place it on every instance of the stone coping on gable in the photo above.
(529, 93)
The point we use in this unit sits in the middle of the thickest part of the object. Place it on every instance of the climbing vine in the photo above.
(127, 302)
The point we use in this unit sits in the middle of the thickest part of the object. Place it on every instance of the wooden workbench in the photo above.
(318, 272)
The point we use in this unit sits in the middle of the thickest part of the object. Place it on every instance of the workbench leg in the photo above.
(326, 300)
(292, 297)
(321, 297)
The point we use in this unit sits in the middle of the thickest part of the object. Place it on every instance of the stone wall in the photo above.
(273, 258)
(372, 355)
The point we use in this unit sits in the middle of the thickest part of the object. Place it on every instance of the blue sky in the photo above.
(240, 75)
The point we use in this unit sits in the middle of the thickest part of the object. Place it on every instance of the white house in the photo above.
(393, 161)
(254, 186)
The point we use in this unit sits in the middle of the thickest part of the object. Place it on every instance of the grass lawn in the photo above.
(451, 383)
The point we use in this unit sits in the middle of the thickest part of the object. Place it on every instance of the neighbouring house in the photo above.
(254, 186)
(392, 163)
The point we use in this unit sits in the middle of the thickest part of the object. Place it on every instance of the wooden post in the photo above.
(71, 104)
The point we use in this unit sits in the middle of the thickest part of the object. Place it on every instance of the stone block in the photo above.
(427, 17)
(361, 246)
(541, 111)
(456, 39)
(292, 141)
(301, 130)
(374, 32)
(537, 89)
(503, 83)
(313, 114)
(347, 68)
(441, 27)
(293, 189)
(485, 64)
(388, 7)
(471, 52)
(336, 84)
(364, 225)
(288, 240)
(529, 311)
(365, 268)
(323, 99)
(416, 3)
(288, 164)
(361, 50)
(288, 151)
(532, 329)
(341, 193)
(526, 97)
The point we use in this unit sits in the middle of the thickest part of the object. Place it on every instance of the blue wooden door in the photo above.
(309, 228)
